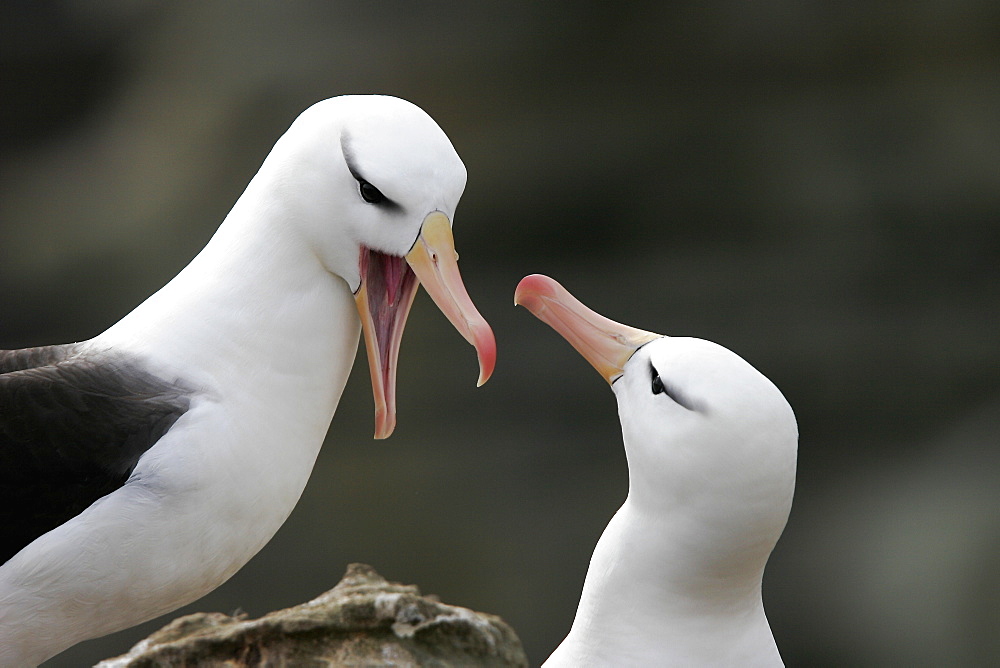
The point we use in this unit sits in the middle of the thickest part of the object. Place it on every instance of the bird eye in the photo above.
(370, 193)
(679, 398)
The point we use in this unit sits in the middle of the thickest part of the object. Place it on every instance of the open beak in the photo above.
(606, 344)
(389, 284)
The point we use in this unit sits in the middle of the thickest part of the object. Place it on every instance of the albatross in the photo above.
(141, 468)
(675, 579)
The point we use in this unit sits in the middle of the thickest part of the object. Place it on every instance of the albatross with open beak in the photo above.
(140, 469)
(675, 579)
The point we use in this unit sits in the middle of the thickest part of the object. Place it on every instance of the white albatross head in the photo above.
(711, 446)
(371, 183)
(708, 435)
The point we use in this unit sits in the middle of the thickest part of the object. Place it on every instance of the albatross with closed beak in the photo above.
(675, 579)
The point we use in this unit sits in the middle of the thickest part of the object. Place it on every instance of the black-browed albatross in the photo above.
(675, 580)
(140, 469)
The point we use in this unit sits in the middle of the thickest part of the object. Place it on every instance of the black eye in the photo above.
(370, 193)
(657, 387)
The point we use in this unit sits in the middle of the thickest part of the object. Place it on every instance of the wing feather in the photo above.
(72, 428)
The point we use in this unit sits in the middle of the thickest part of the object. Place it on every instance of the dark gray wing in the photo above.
(72, 429)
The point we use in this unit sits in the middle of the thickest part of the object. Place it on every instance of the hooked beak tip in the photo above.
(434, 261)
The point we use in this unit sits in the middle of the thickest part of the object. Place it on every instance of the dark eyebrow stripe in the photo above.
(670, 391)
(345, 147)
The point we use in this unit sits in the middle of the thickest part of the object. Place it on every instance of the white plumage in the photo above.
(675, 579)
(251, 344)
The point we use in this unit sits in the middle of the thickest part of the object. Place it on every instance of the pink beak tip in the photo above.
(385, 423)
(487, 352)
(532, 288)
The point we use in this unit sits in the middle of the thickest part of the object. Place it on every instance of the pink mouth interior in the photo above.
(391, 284)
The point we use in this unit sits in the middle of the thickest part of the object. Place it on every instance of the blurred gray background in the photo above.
(813, 185)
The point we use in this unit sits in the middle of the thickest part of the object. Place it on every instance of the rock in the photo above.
(363, 621)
